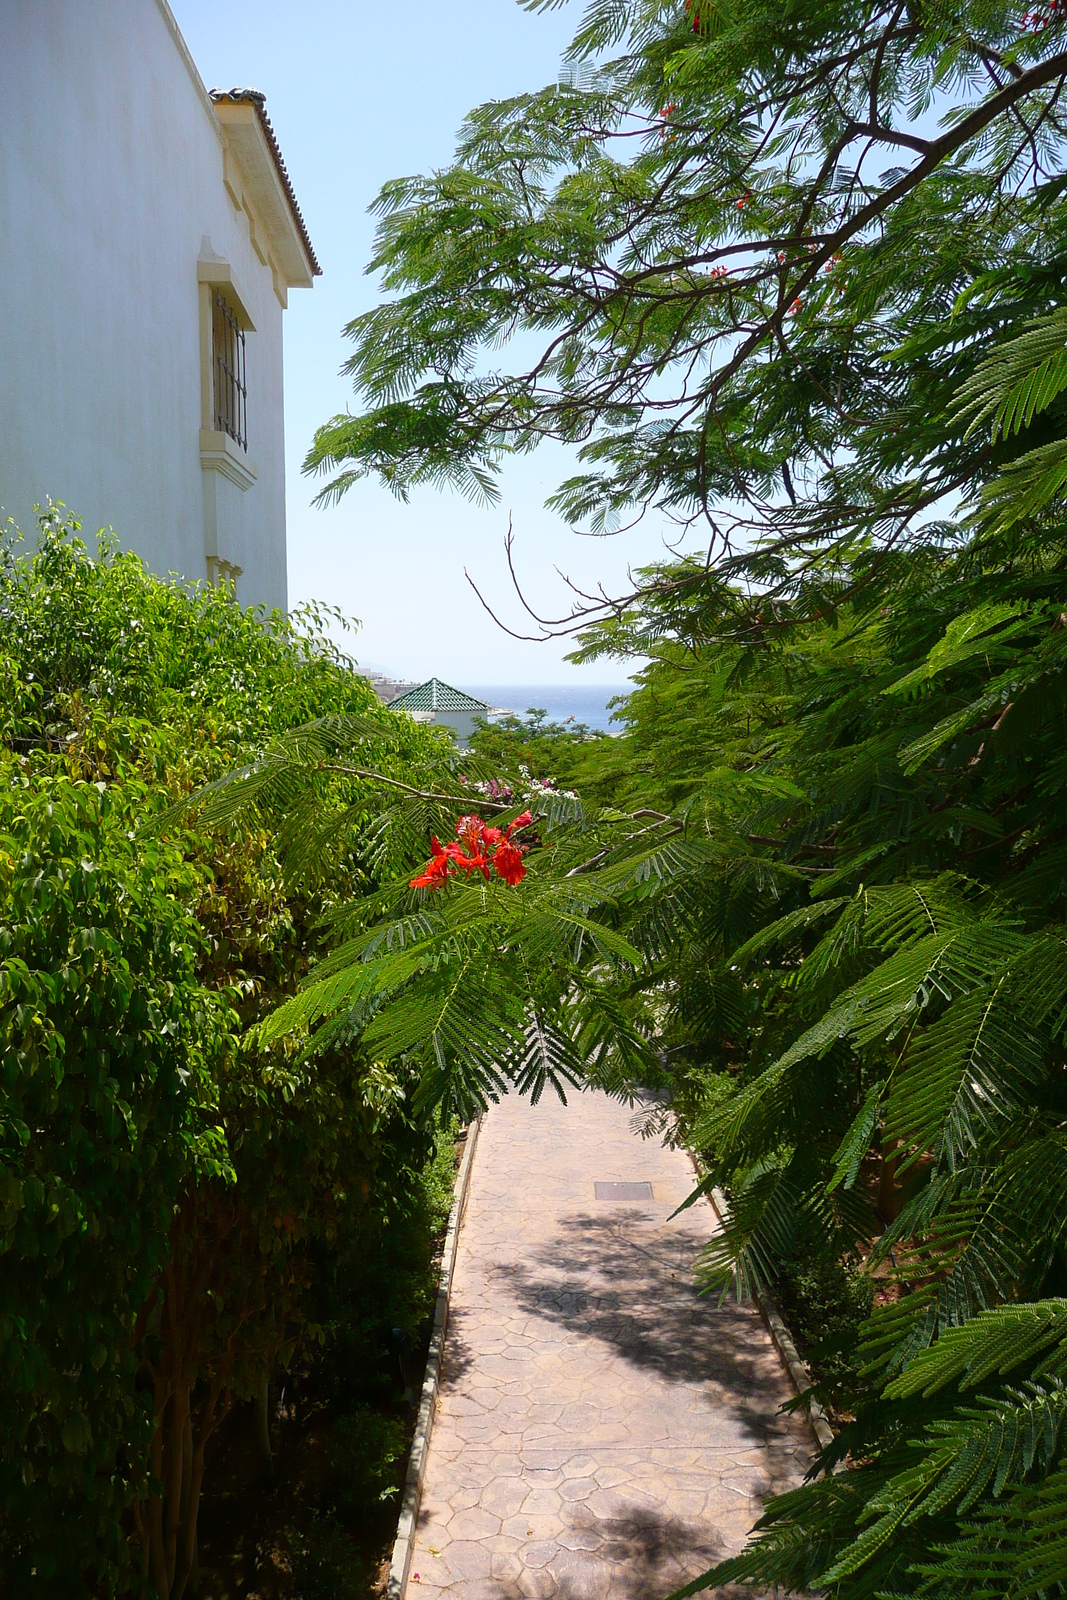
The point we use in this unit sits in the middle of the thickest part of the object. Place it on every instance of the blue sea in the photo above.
(585, 702)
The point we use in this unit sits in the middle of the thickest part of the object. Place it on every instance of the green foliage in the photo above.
(365, 1461)
(82, 637)
(111, 1050)
(347, 1399)
(824, 1300)
(721, 244)
(326, 1563)
(381, 1279)
(797, 274)
(568, 755)
(174, 1197)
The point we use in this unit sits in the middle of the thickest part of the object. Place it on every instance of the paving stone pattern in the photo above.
(601, 1429)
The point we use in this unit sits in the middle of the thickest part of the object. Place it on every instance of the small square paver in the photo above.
(622, 1191)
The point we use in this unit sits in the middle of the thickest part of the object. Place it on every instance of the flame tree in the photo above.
(797, 274)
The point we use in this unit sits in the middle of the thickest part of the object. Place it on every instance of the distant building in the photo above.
(438, 702)
(151, 238)
(386, 688)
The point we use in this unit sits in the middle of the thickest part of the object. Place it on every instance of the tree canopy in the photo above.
(797, 277)
(759, 248)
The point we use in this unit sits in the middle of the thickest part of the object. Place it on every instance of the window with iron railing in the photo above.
(230, 387)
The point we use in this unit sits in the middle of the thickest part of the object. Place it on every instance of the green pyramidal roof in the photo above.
(436, 696)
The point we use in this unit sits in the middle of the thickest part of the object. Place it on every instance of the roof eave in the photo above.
(250, 137)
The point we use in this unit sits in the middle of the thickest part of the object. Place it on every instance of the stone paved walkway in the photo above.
(601, 1430)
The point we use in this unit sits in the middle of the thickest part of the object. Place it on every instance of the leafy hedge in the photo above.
(109, 1050)
(170, 1192)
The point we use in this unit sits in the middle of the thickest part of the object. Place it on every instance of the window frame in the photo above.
(222, 449)
(229, 371)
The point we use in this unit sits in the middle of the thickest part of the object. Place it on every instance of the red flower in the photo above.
(509, 864)
(433, 874)
(476, 863)
(469, 829)
(476, 849)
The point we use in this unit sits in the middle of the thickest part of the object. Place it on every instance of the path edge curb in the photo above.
(799, 1375)
(404, 1544)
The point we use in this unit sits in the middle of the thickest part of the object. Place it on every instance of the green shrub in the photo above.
(170, 1193)
(824, 1301)
(364, 1461)
(109, 1046)
(327, 1563)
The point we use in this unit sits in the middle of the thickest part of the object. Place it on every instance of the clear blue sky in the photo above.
(360, 93)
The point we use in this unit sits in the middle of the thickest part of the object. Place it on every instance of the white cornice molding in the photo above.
(219, 274)
(219, 453)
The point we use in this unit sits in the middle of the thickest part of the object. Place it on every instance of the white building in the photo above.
(150, 240)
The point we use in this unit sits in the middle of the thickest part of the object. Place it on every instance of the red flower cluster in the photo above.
(476, 848)
(1042, 17)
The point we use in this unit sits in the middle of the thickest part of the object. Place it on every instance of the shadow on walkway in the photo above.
(604, 1432)
(635, 1555)
(597, 1278)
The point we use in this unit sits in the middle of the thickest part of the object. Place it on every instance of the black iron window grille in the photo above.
(231, 389)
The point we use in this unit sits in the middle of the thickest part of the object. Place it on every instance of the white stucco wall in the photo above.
(462, 723)
(111, 180)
